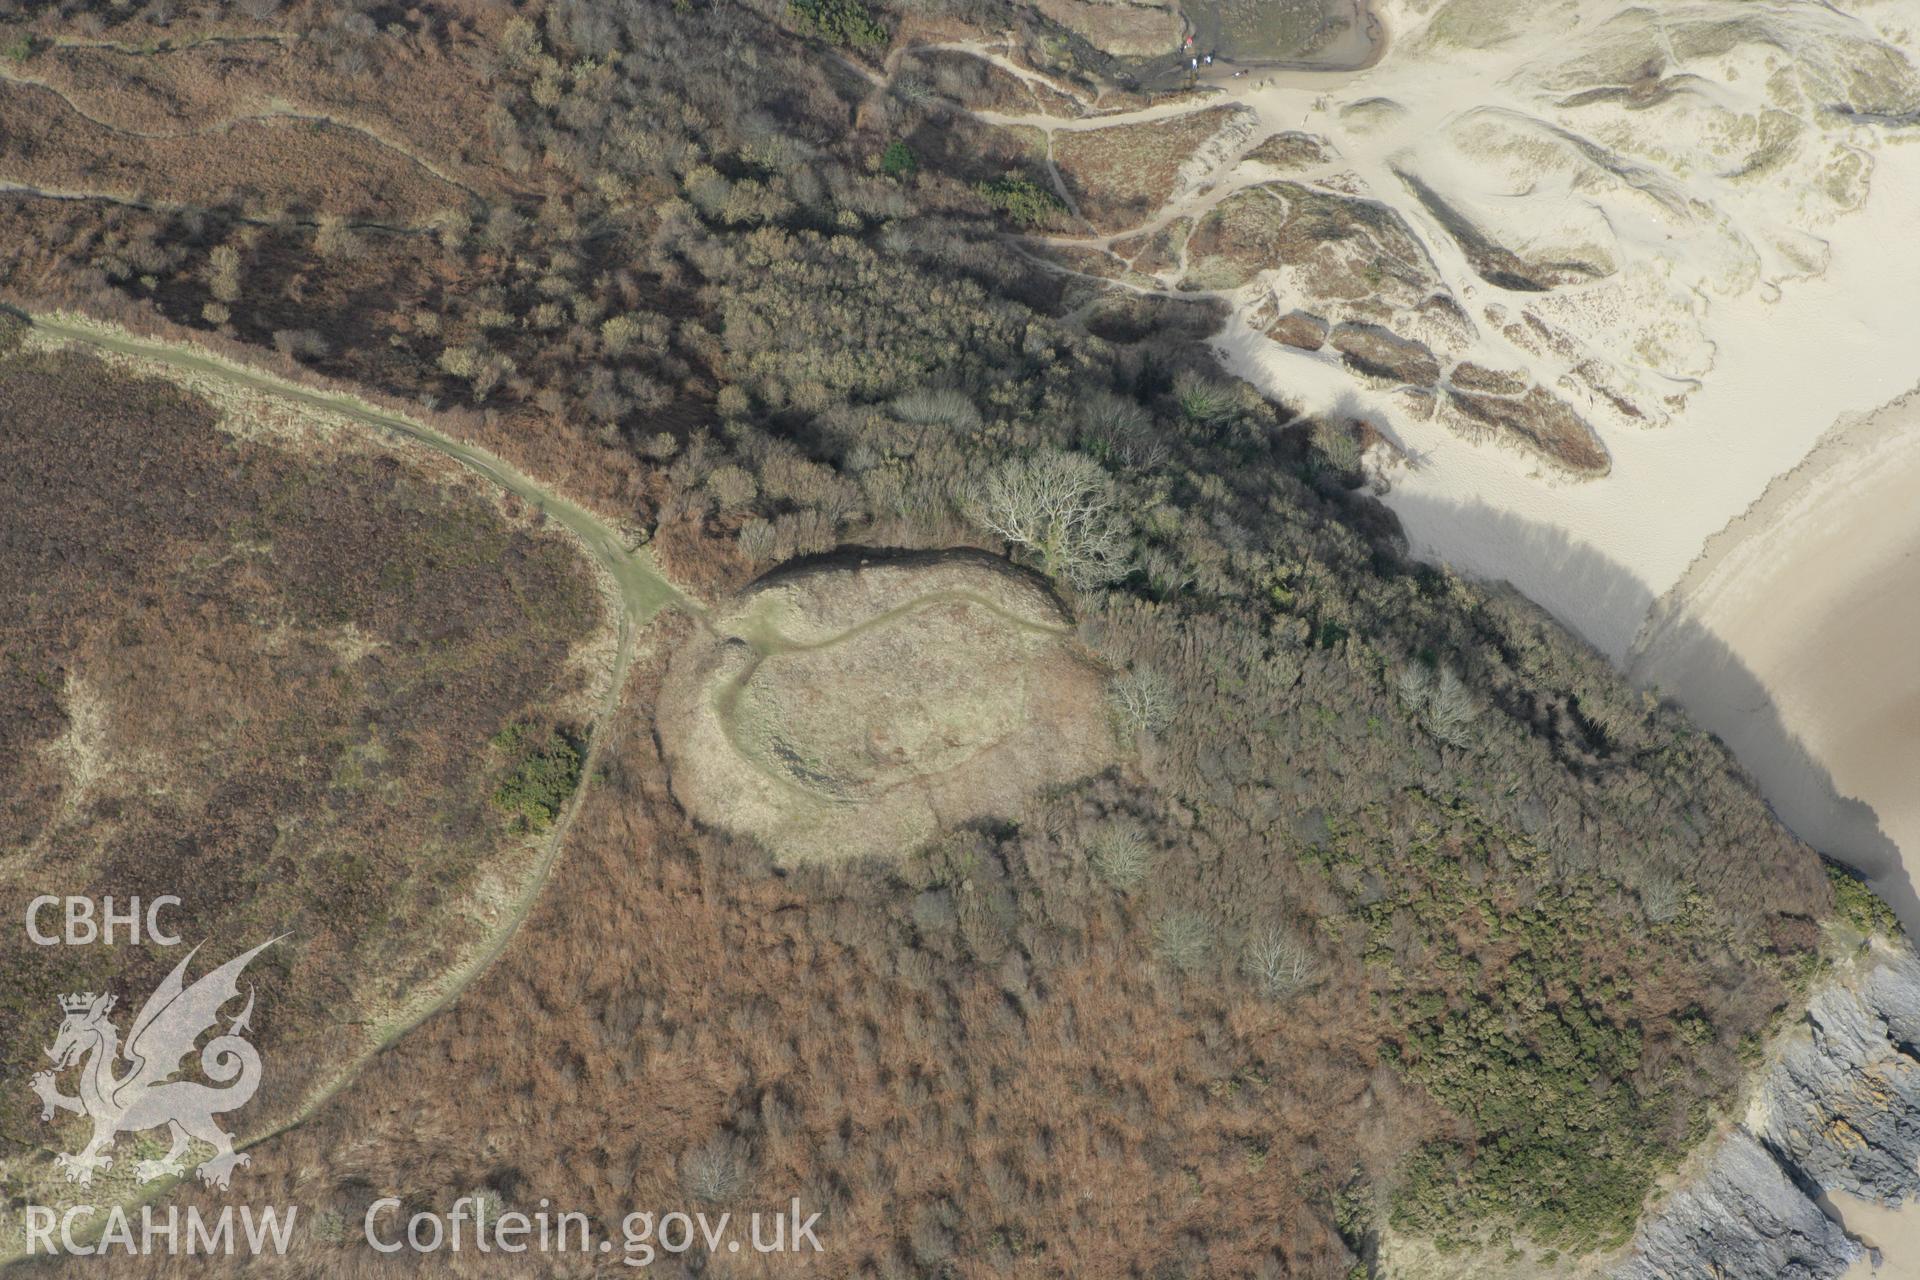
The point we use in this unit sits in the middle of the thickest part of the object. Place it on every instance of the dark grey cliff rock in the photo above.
(1844, 1108)
(1839, 1111)
(1744, 1218)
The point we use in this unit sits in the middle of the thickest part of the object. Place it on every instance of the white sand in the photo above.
(1783, 357)
(1796, 638)
(1786, 370)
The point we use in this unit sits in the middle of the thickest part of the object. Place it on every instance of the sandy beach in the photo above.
(1895, 1232)
(1793, 638)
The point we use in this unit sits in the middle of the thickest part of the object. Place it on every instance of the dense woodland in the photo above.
(1406, 910)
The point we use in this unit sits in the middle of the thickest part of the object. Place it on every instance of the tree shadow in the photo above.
(1586, 591)
(1688, 664)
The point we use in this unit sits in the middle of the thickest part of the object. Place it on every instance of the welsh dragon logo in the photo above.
(146, 1096)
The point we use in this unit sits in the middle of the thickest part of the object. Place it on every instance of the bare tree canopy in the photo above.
(1064, 509)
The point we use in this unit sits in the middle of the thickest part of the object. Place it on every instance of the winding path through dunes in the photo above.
(641, 590)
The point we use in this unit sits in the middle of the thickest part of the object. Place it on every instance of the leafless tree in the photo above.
(1143, 700)
(1444, 707)
(223, 273)
(716, 1170)
(1279, 961)
(757, 539)
(1119, 429)
(937, 406)
(1121, 855)
(1451, 711)
(1064, 509)
(1182, 940)
(1412, 686)
(1662, 897)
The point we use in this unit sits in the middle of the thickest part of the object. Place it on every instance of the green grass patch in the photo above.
(844, 22)
(898, 160)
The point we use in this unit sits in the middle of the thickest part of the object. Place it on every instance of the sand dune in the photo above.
(1739, 290)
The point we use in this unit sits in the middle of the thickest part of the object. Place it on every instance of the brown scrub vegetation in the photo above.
(263, 680)
(1401, 907)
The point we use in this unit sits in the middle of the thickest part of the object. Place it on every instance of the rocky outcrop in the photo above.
(1743, 1218)
(1844, 1107)
(1838, 1111)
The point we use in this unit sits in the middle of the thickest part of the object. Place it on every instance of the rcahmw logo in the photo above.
(146, 1096)
(154, 1231)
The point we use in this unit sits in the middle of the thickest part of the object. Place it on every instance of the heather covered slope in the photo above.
(293, 678)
